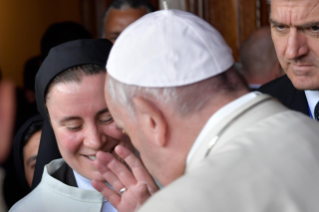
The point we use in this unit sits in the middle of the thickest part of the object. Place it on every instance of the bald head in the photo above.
(258, 58)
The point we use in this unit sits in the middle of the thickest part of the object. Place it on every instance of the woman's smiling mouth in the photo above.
(93, 157)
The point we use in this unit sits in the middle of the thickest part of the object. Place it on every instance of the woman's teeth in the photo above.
(92, 157)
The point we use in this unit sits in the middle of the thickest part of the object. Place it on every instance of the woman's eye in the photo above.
(106, 121)
(73, 128)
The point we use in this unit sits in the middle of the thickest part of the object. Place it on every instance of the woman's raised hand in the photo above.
(137, 182)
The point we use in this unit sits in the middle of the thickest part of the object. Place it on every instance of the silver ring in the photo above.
(122, 191)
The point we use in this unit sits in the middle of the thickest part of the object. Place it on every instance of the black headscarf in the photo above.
(19, 142)
(61, 58)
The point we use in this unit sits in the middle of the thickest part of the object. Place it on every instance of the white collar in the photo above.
(82, 182)
(312, 99)
(217, 117)
(85, 183)
(254, 86)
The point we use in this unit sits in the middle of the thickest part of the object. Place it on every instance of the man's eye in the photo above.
(280, 28)
(315, 28)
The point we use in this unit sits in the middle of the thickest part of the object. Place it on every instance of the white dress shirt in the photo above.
(86, 184)
(312, 99)
(217, 117)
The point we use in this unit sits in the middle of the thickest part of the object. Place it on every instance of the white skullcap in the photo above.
(168, 48)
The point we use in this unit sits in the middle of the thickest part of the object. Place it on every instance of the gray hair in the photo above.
(124, 4)
(183, 100)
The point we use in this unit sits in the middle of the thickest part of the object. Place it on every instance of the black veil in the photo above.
(61, 58)
(18, 145)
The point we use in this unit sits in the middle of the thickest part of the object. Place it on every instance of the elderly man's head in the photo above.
(163, 123)
(295, 32)
(167, 88)
(120, 14)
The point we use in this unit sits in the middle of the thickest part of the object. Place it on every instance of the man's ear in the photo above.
(151, 120)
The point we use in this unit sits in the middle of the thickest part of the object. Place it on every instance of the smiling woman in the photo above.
(80, 119)
(77, 124)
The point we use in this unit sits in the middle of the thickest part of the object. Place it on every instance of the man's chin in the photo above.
(305, 83)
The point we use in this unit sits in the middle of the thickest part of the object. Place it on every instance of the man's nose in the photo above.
(297, 45)
(94, 138)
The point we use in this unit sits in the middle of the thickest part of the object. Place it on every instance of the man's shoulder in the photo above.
(257, 169)
(283, 90)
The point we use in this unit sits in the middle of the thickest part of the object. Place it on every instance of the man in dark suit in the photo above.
(289, 96)
(295, 32)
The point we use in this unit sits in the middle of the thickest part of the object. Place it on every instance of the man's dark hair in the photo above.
(121, 4)
(63, 32)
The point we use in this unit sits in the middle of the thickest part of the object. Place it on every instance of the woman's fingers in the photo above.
(139, 183)
(121, 172)
(140, 172)
(107, 192)
(142, 194)
(108, 175)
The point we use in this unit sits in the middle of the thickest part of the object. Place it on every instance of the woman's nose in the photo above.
(94, 139)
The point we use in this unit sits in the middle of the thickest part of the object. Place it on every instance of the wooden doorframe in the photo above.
(234, 19)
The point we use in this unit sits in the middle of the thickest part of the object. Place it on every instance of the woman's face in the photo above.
(30, 153)
(82, 123)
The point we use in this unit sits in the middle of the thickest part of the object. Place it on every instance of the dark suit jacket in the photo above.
(283, 89)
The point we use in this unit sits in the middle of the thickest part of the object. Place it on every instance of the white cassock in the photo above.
(253, 155)
(52, 195)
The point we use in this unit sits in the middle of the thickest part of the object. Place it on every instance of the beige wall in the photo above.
(22, 24)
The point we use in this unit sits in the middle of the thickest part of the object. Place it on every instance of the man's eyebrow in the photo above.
(307, 25)
(303, 26)
(275, 22)
(31, 159)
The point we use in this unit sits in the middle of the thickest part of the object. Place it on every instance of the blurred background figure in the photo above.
(7, 110)
(30, 70)
(25, 150)
(259, 60)
(62, 32)
(121, 13)
(29, 108)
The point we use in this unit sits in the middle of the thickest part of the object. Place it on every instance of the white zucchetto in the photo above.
(168, 48)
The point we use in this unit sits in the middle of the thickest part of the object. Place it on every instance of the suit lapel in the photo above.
(299, 102)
